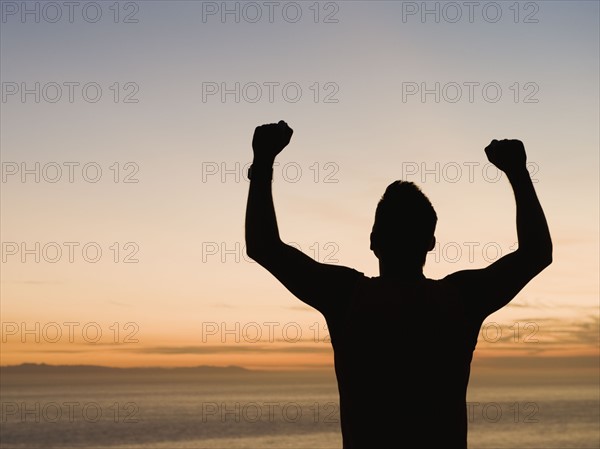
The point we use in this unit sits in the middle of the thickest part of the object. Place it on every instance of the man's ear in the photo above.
(432, 244)
(374, 245)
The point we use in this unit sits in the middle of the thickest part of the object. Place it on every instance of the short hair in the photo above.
(404, 223)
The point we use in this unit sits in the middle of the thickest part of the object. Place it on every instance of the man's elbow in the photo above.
(253, 251)
(253, 248)
(547, 253)
(260, 253)
(257, 257)
(547, 259)
(537, 259)
(543, 258)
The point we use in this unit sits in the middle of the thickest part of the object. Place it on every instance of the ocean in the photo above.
(267, 413)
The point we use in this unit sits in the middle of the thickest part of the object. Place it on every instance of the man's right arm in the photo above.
(490, 289)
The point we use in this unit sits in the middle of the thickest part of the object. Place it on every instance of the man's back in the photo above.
(402, 357)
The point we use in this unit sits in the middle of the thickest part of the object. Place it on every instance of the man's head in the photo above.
(404, 226)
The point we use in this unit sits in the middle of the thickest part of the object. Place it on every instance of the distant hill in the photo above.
(42, 368)
(32, 374)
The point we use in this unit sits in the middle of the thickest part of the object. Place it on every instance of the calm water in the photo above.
(285, 415)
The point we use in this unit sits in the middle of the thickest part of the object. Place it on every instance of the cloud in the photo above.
(302, 308)
(231, 349)
(32, 282)
(537, 335)
(222, 305)
(117, 303)
(534, 303)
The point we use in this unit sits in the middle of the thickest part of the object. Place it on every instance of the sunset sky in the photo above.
(345, 82)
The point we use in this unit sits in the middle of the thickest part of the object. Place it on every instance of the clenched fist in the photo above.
(507, 155)
(269, 140)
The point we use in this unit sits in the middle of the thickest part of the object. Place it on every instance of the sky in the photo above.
(126, 135)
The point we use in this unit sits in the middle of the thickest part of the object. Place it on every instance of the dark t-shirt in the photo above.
(402, 359)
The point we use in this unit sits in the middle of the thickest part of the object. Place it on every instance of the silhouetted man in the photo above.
(402, 343)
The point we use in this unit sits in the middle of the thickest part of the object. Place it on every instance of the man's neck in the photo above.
(400, 272)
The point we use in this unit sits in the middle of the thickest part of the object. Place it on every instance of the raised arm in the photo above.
(262, 234)
(319, 285)
(490, 289)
